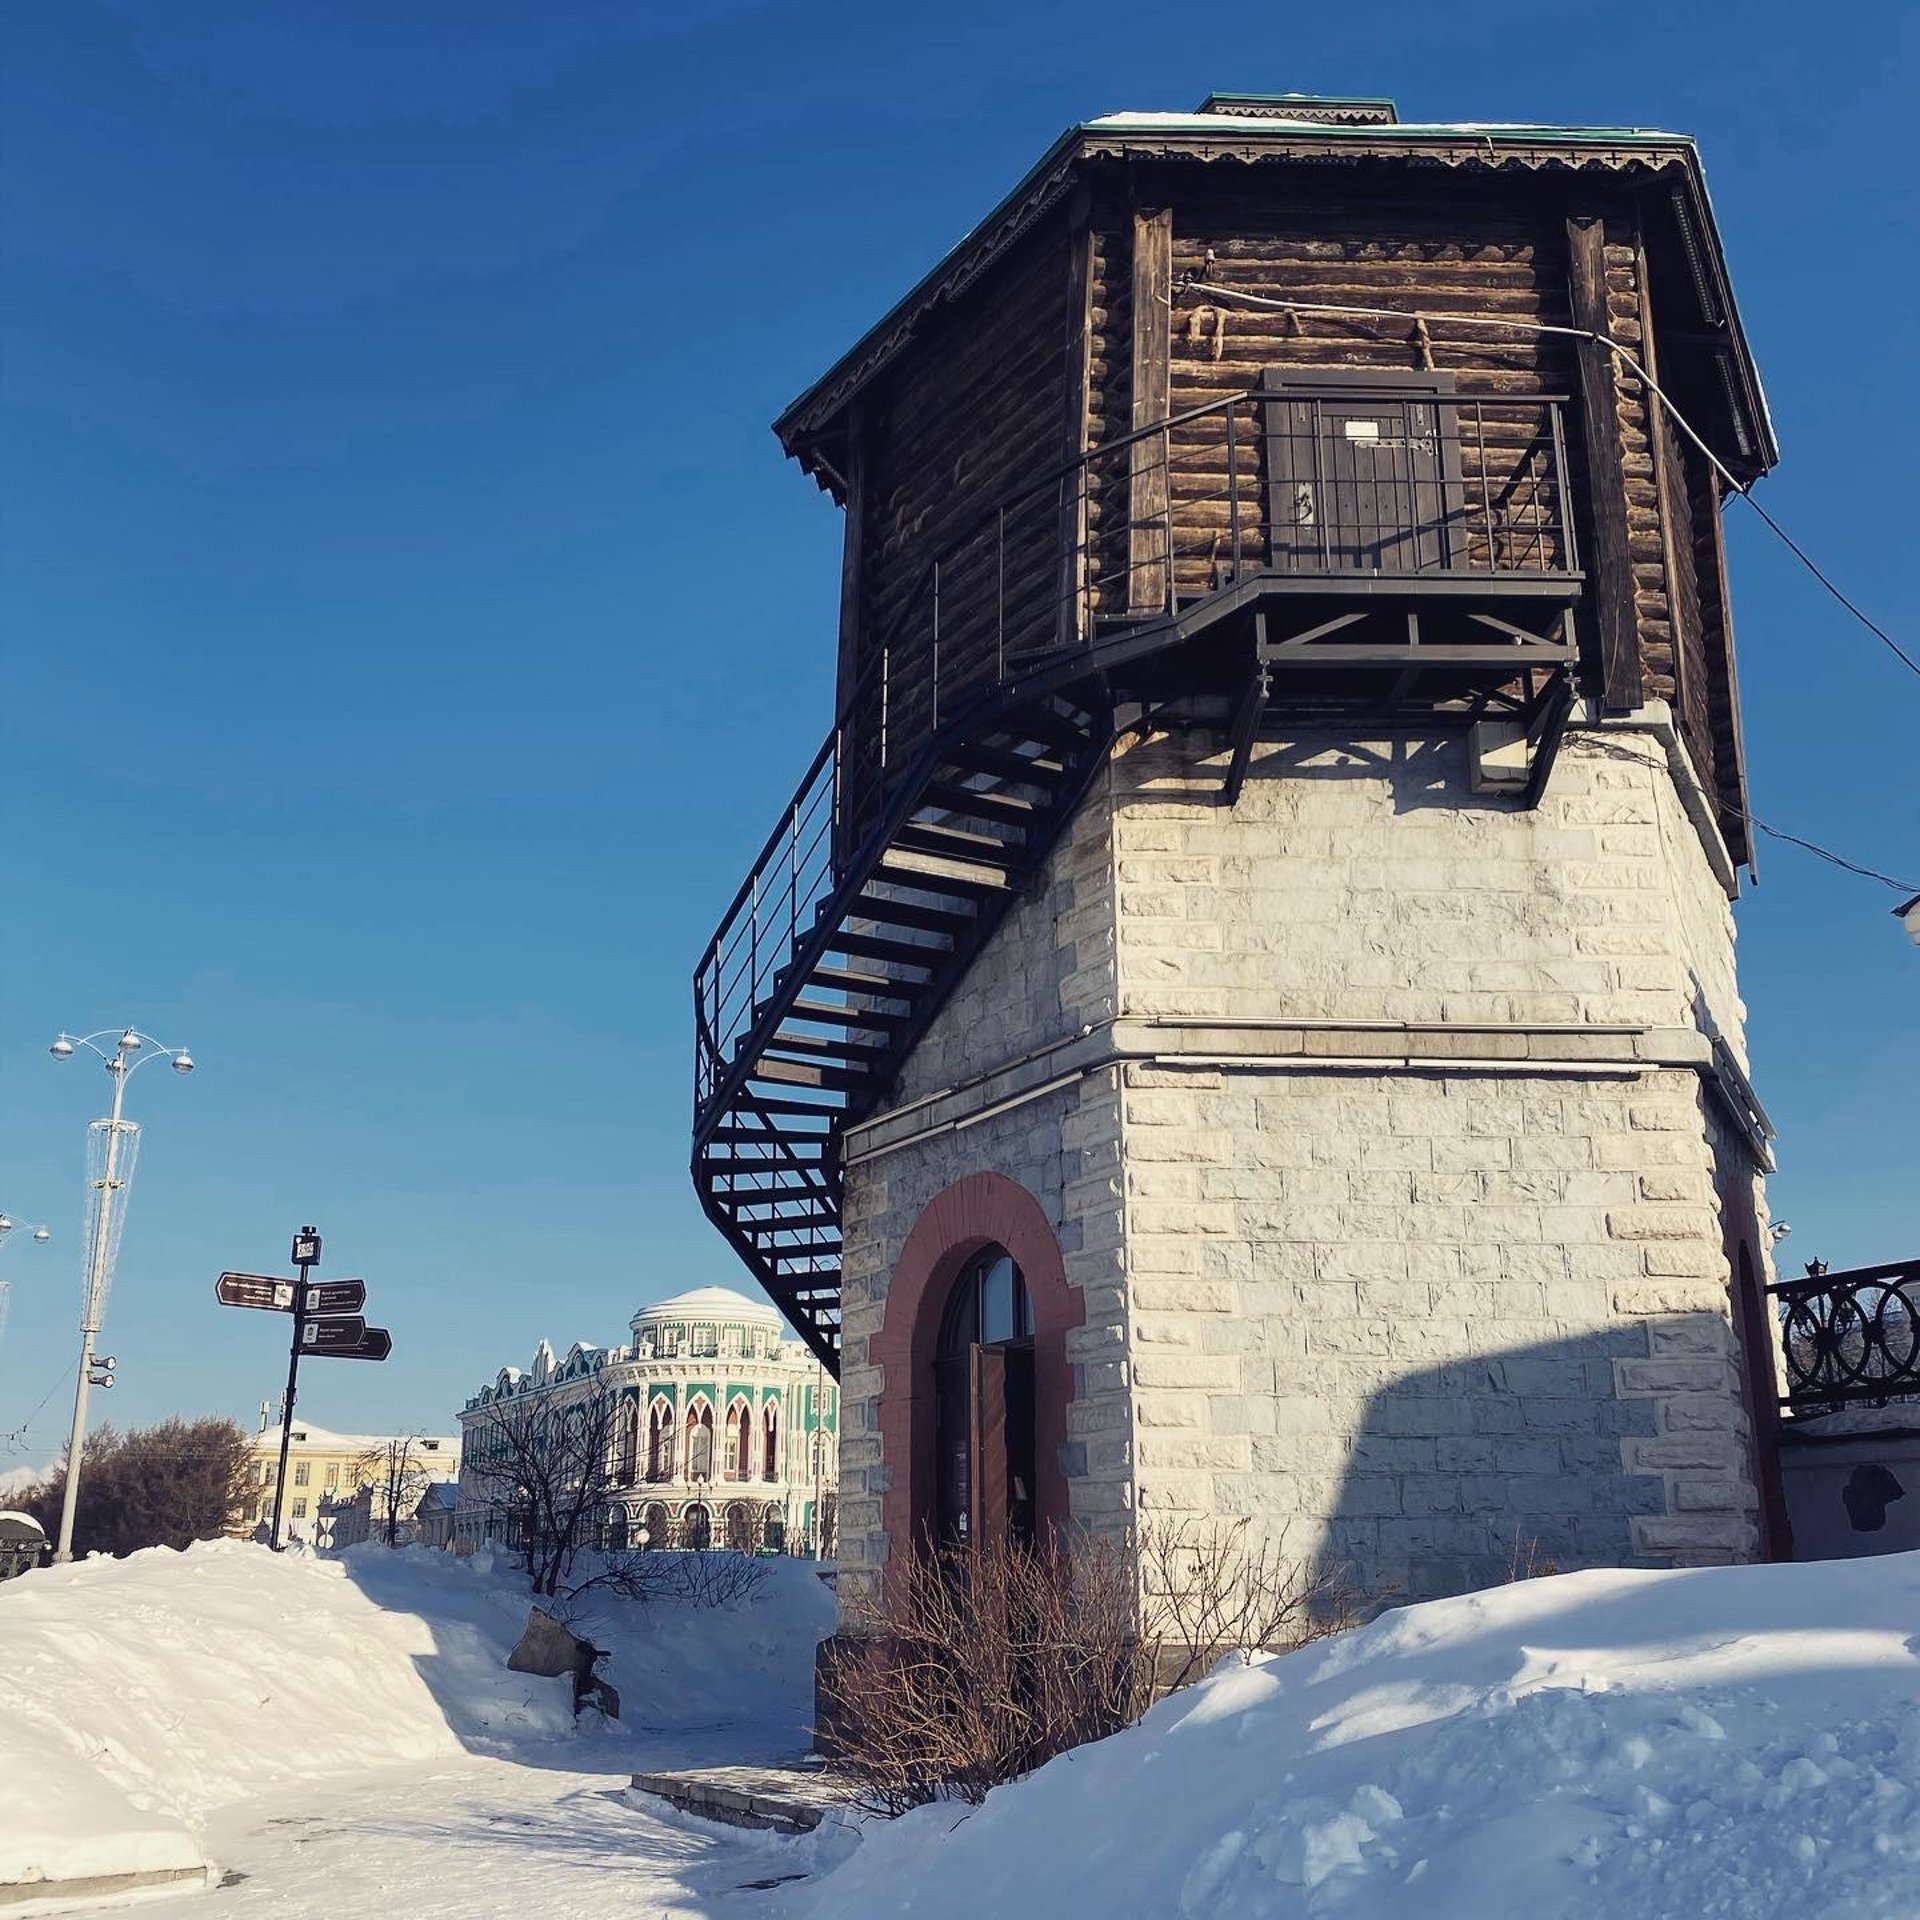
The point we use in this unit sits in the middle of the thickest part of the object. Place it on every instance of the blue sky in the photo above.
(411, 626)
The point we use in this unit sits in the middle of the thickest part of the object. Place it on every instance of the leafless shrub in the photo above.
(973, 1667)
(688, 1579)
(1526, 1561)
(1214, 1589)
(715, 1579)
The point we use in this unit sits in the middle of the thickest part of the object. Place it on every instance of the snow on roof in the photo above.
(306, 1434)
(712, 1303)
(22, 1519)
(1370, 132)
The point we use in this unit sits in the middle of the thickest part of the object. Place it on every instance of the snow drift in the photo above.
(1733, 1741)
(140, 1696)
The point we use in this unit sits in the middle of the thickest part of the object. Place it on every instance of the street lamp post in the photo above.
(114, 1143)
(8, 1226)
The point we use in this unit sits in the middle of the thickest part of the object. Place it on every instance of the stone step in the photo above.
(779, 1799)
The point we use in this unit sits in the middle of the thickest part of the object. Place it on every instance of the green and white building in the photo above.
(725, 1433)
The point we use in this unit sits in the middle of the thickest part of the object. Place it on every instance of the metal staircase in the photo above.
(900, 853)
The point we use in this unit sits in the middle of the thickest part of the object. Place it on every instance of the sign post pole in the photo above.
(306, 1256)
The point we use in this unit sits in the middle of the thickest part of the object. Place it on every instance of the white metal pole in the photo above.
(90, 1318)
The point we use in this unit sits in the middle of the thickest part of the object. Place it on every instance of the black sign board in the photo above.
(260, 1290)
(337, 1335)
(374, 1344)
(335, 1296)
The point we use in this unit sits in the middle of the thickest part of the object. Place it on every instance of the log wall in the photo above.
(1044, 354)
(971, 415)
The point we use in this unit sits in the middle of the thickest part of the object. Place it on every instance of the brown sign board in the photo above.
(263, 1290)
(335, 1296)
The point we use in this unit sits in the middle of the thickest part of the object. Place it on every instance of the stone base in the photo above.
(102, 1886)
(789, 1799)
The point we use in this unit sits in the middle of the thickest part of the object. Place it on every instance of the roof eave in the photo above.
(805, 423)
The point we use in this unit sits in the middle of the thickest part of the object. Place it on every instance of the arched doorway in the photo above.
(656, 1528)
(984, 1406)
(696, 1528)
(983, 1214)
(773, 1529)
(739, 1529)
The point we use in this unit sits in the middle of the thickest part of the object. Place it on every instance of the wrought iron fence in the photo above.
(1849, 1338)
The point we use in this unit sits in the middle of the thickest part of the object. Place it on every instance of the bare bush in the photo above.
(975, 1666)
(1527, 1562)
(1207, 1591)
(972, 1667)
(688, 1579)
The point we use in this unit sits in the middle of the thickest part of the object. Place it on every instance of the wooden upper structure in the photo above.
(1075, 314)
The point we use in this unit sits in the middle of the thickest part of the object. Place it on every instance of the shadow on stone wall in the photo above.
(1622, 1447)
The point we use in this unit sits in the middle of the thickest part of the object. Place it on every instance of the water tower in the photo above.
(1239, 1017)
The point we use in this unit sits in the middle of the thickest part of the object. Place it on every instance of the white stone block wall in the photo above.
(1397, 1225)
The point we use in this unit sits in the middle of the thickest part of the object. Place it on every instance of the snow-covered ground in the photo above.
(238, 1707)
(342, 1741)
(1742, 1741)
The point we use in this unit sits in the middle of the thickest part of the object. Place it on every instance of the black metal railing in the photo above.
(1848, 1338)
(1331, 486)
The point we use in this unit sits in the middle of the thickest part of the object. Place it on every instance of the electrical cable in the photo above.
(17, 1439)
(1772, 832)
(1614, 347)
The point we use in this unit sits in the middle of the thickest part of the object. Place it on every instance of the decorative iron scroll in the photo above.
(1849, 1338)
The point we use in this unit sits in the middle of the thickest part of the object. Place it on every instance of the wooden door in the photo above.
(1363, 472)
(988, 1402)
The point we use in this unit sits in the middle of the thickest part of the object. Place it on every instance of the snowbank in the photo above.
(1733, 1741)
(138, 1697)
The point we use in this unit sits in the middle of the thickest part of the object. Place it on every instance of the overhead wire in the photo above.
(1621, 353)
(17, 1439)
(1767, 827)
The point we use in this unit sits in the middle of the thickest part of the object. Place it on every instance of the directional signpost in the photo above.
(326, 1323)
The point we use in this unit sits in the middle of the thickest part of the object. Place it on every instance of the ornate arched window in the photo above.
(739, 1442)
(770, 1441)
(700, 1442)
(626, 1466)
(660, 1441)
(983, 1405)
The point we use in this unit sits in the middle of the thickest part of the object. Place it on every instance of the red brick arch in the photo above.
(981, 1210)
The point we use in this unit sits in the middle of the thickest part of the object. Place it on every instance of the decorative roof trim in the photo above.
(1625, 151)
